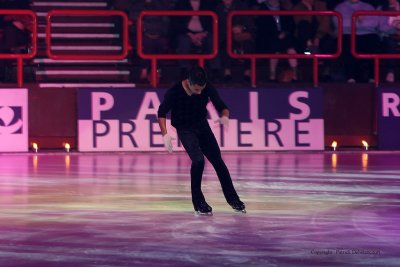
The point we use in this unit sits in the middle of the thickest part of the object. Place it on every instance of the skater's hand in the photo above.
(224, 120)
(168, 142)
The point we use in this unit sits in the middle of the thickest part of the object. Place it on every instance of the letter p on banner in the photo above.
(101, 101)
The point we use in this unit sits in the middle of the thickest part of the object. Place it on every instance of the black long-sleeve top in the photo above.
(189, 111)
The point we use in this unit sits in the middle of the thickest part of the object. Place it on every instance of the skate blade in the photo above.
(198, 213)
(241, 211)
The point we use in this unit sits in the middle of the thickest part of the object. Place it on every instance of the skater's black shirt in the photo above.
(189, 111)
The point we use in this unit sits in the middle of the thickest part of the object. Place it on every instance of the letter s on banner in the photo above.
(101, 101)
(294, 101)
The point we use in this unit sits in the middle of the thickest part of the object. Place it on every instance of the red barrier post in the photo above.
(254, 57)
(33, 50)
(89, 13)
(154, 57)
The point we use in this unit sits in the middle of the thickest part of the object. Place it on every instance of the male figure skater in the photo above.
(187, 102)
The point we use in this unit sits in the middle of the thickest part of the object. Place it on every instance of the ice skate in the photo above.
(202, 208)
(238, 206)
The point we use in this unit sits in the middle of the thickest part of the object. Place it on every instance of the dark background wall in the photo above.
(350, 114)
(52, 116)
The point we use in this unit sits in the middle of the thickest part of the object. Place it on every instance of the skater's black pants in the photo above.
(198, 142)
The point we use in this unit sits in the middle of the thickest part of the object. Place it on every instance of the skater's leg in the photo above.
(211, 150)
(191, 144)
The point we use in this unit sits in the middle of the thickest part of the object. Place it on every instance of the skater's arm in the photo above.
(218, 103)
(166, 137)
(163, 109)
(162, 122)
(225, 112)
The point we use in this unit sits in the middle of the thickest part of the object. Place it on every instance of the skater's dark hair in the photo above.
(197, 75)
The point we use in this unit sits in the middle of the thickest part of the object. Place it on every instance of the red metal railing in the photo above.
(89, 13)
(33, 50)
(155, 57)
(253, 57)
(375, 57)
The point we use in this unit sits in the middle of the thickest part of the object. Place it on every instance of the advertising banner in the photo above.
(260, 119)
(13, 120)
(388, 118)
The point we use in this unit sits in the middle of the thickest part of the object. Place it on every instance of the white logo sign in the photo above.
(13, 120)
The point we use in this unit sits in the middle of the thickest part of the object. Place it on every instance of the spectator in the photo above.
(367, 40)
(390, 27)
(286, 4)
(274, 35)
(242, 36)
(14, 4)
(16, 28)
(330, 4)
(314, 33)
(16, 36)
(311, 29)
(155, 30)
(192, 34)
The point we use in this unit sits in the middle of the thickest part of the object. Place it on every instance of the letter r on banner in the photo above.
(390, 104)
